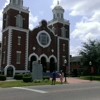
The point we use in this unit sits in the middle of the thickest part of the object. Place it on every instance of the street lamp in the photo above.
(65, 61)
(90, 63)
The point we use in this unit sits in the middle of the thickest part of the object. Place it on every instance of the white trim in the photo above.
(18, 51)
(26, 59)
(5, 69)
(43, 55)
(52, 56)
(37, 37)
(15, 28)
(58, 54)
(9, 47)
(18, 8)
(33, 54)
(66, 22)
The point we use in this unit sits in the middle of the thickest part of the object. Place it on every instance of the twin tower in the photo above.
(49, 42)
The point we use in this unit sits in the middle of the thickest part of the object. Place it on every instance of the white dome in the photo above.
(58, 7)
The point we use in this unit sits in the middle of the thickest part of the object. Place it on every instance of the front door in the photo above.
(10, 72)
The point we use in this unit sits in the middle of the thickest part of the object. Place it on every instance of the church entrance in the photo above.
(33, 58)
(10, 72)
(44, 64)
(52, 64)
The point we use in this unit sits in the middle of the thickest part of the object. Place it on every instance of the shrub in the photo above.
(46, 80)
(46, 77)
(37, 81)
(2, 77)
(18, 76)
(26, 74)
(27, 77)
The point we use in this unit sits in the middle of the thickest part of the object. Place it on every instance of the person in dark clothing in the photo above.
(53, 78)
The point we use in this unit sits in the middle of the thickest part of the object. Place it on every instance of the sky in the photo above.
(84, 17)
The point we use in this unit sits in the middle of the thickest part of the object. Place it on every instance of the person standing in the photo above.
(53, 77)
(61, 77)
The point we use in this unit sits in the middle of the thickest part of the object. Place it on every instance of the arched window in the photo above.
(6, 24)
(53, 29)
(14, 1)
(19, 21)
(18, 2)
(61, 16)
(63, 32)
(53, 16)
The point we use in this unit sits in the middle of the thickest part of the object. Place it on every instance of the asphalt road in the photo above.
(81, 91)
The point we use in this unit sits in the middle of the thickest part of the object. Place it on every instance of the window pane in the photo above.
(18, 55)
(43, 38)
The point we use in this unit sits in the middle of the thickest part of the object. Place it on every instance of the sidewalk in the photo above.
(74, 80)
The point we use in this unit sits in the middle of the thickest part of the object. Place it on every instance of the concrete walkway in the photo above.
(74, 80)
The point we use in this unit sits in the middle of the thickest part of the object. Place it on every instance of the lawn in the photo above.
(97, 78)
(18, 83)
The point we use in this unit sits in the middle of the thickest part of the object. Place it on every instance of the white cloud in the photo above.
(32, 18)
(85, 30)
(31, 26)
(54, 3)
(79, 7)
(96, 16)
(74, 51)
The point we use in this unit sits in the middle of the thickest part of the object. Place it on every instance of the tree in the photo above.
(91, 52)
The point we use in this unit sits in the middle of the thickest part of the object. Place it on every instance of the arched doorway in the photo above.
(52, 64)
(44, 64)
(33, 58)
(9, 72)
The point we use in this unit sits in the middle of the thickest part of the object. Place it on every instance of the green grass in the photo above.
(97, 78)
(18, 83)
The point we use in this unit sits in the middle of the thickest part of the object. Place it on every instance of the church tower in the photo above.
(15, 33)
(61, 28)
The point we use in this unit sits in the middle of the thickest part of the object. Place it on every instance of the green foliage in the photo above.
(37, 81)
(91, 52)
(2, 77)
(46, 77)
(27, 77)
(46, 80)
(18, 76)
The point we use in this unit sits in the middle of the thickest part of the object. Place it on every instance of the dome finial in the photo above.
(58, 2)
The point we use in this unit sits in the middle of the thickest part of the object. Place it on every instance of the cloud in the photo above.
(31, 26)
(32, 18)
(74, 51)
(79, 7)
(54, 3)
(85, 30)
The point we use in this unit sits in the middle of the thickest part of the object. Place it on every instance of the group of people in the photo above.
(54, 75)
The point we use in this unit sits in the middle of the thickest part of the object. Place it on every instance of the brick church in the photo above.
(49, 42)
